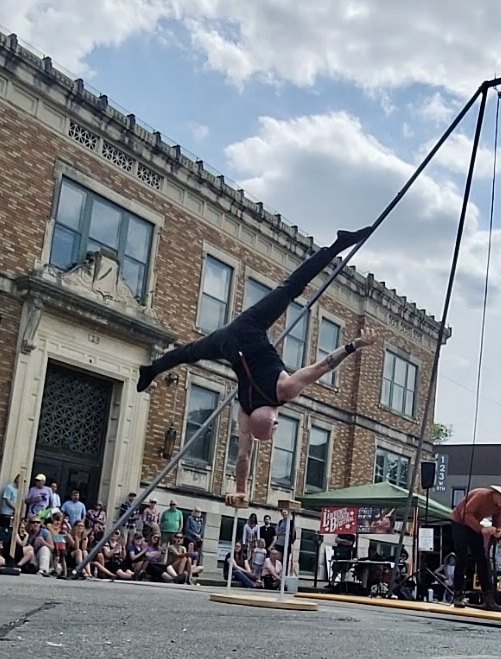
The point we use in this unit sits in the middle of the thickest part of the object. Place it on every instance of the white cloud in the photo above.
(436, 109)
(198, 131)
(68, 31)
(327, 171)
(454, 156)
(374, 43)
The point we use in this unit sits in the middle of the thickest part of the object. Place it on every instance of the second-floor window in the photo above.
(283, 464)
(254, 291)
(87, 222)
(328, 341)
(202, 402)
(216, 289)
(399, 384)
(316, 469)
(295, 341)
(391, 467)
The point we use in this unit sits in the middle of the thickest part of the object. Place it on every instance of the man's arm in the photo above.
(245, 441)
(289, 388)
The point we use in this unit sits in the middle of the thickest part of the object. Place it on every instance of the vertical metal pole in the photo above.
(285, 563)
(232, 550)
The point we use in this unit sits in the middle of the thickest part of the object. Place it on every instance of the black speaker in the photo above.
(428, 470)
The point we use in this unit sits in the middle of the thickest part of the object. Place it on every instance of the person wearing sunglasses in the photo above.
(178, 559)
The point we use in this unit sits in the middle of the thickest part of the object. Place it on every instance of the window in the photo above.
(399, 384)
(458, 494)
(328, 341)
(231, 462)
(202, 402)
(284, 452)
(214, 305)
(295, 342)
(308, 551)
(316, 471)
(254, 291)
(391, 467)
(225, 534)
(86, 222)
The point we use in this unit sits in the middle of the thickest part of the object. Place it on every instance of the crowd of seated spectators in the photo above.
(53, 539)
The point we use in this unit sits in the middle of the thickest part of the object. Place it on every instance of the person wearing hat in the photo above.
(468, 534)
(171, 522)
(39, 496)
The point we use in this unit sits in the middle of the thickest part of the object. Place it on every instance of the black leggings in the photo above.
(251, 325)
(465, 538)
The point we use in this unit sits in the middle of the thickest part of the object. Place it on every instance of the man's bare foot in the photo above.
(236, 497)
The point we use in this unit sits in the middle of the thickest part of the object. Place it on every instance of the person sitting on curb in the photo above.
(241, 571)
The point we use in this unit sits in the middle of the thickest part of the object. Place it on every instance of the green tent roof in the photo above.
(382, 495)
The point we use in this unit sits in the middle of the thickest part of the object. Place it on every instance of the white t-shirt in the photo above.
(258, 557)
(277, 567)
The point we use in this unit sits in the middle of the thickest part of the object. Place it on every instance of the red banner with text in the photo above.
(338, 520)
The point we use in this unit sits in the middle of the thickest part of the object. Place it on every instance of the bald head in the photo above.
(263, 422)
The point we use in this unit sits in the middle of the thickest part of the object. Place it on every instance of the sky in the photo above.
(322, 111)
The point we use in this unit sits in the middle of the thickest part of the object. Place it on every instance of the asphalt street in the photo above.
(61, 619)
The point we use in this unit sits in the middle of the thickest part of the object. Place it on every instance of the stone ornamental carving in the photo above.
(34, 314)
(398, 324)
(99, 279)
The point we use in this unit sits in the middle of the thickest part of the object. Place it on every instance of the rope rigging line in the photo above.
(337, 269)
(485, 298)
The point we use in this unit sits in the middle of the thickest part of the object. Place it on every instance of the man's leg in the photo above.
(477, 547)
(476, 542)
(264, 313)
(460, 541)
(211, 347)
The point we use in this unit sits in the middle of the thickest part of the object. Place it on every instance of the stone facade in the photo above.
(87, 319)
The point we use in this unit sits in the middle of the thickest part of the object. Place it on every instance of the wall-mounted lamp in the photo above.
(170, 434)
(171, 379)
(170, 437)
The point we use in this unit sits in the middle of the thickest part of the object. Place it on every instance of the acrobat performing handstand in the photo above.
(263, 382)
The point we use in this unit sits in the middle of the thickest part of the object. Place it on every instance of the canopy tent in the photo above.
(377, 495)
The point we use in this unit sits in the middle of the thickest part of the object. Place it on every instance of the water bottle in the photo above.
(430, 594)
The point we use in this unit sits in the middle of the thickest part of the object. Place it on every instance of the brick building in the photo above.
(114, 246)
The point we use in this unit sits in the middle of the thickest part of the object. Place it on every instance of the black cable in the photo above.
(484, 305)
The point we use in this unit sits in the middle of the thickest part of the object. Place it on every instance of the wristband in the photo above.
(349, 348)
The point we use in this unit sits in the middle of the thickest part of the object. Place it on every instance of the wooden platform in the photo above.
(425, 607)
(265, 602)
